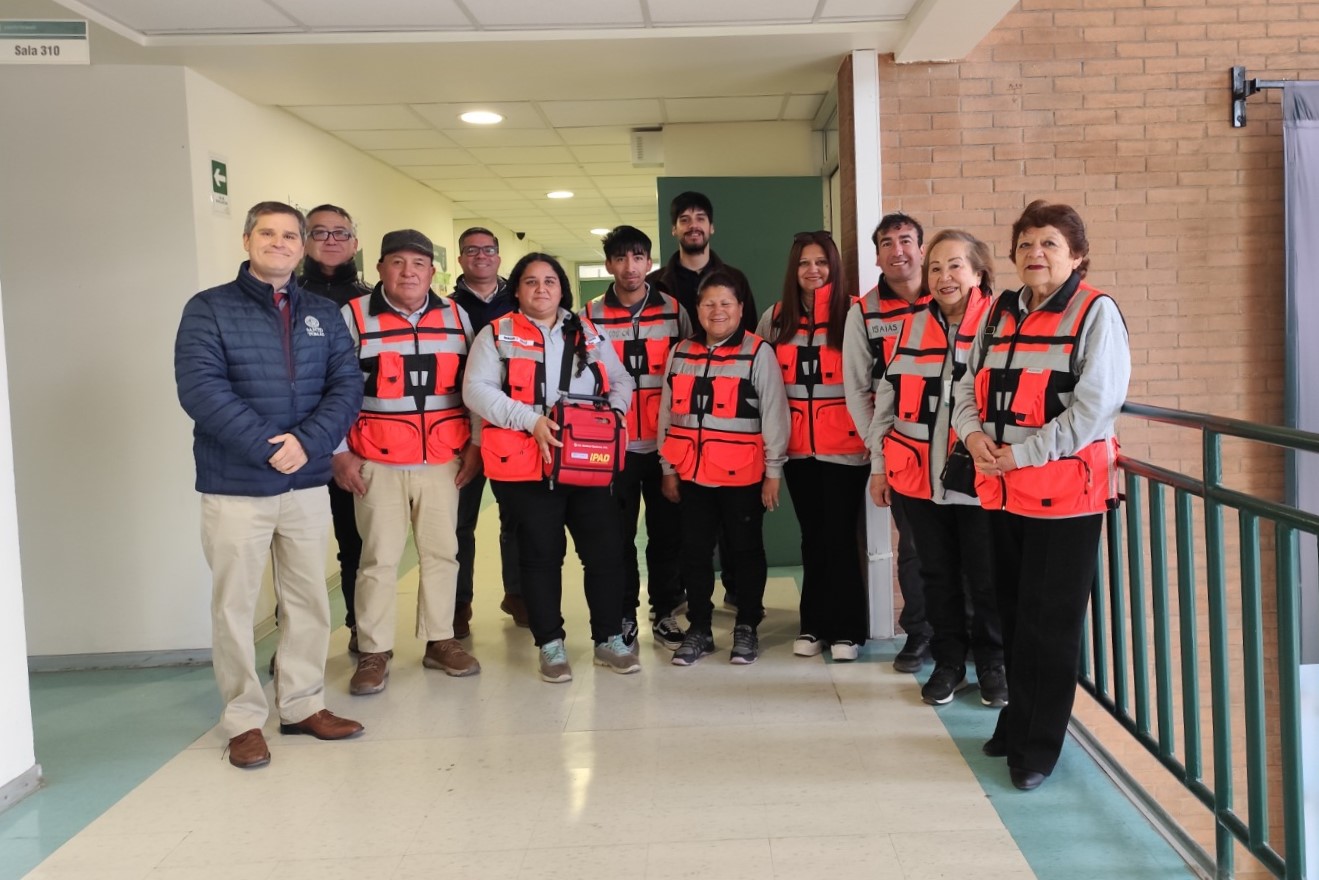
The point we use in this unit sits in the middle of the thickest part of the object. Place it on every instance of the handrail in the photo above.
(1126, 606)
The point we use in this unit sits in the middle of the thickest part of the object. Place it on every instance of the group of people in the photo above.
(986, 423)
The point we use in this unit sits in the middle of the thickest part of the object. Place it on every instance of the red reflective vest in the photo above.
(511, 454)
(412, 411)
(884, 313)
(1026, 378)
(642, 342)
(813, 379)
(714, 434)
(922, 375)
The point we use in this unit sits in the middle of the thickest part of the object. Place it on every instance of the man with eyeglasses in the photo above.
(330, 269)
(485, 298)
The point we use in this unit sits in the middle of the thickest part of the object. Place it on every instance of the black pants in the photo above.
(350, 547)
(739, 514)
(957, 558)
(829, 500)
(591, 515)
(1045, 570)
(469, 510)
(912, 616)
(640, 479)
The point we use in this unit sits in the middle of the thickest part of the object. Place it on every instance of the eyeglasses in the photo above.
(327, 234)
(472, 250)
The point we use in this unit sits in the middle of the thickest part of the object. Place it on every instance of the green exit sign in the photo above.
(219, 178)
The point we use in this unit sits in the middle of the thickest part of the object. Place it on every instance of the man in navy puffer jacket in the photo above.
(267, 373)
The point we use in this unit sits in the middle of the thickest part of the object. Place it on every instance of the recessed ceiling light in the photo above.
(599, 230)
(559, 194)
(481, 117)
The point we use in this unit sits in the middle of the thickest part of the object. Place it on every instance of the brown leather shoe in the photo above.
(248, 750)
(514, 607)
(451, 656)
(352, 640)
(372, 671)
(462, 620)
(324, 725)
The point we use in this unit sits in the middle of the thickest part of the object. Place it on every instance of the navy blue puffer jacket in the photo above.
(239, 385)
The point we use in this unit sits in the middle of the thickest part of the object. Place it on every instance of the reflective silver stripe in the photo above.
(739, 369)
(447, 337)
(618, 332)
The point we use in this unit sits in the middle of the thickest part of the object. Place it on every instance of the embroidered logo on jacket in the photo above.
(314, 327)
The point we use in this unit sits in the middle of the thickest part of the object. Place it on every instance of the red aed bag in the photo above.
(594, 443)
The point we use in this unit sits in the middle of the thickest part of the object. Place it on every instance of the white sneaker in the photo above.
(844, 651)
(807, 645)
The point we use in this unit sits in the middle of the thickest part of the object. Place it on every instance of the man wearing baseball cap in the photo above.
(407, 455)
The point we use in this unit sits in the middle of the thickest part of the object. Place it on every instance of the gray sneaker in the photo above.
(613, 654)
(698, 644)
(746, 645)
(554, 666)
(630, 634)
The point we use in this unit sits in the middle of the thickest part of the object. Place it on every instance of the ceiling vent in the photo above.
(647, 147)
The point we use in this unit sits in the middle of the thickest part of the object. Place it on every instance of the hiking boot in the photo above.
(667, 633)
(993, 687)
(554, 666)
(746, 645)
(450, 656)
(614, 654)
(914, 653)
(697, 644)
(944, 681)
(372, 671)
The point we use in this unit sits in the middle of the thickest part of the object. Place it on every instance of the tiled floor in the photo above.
(791, 767)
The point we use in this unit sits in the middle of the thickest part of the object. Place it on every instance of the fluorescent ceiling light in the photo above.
(481, 117)
(559, 194)
(599, 230)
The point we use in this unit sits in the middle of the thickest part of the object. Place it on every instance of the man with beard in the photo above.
(692, 216)
(485, 297)
(329, 268)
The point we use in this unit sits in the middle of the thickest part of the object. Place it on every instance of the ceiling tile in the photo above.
(635, 111)
(386, 139)
(359, 117)
(423, 157)
(594, 169)
(526, 155)
(866, 10)
(561, 14)
(542, 185)
(596, 134)
(748, 109)
(171, 16)
(394, 15)
(545, 170)
(741, 12)
(431, 173)
(802, 107)
(498, 136)
(606, 153)
(517, 114)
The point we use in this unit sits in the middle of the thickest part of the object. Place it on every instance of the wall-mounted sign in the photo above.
(219, 185)
(44, 42)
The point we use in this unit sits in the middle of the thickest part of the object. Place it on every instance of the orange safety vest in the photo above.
(511, 454)
(714, 434)
(642, 342)
(1026, 378)
(813, 379)
(917, 372)
(412, 411)
(884, 313)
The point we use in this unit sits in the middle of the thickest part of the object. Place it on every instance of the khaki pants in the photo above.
(426, 498)
(239, 535)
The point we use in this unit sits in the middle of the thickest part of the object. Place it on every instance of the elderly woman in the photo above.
(723, 435)
(909, 440)
(1049, 371)
(514, 378)
(827, 465)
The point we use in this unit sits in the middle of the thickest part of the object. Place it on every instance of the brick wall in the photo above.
(1121, 108)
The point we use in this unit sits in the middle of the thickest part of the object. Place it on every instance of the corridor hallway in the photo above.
(792, 767)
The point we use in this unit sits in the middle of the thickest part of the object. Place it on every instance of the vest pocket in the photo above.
(679, 450)
(389, 375)
(990, 491)
(907, 466)
(447, 365)
(446, 437)
(831, 366)
(390, 440)
(910, 402)
(724, 396)
(680, 396)
(510, 455)
(835, 432)
(1058, 488)
(522, 380)
(727, 462)
(799, 438)
(1028, 399)
(647, 414)
(786, 354)
(657, 355)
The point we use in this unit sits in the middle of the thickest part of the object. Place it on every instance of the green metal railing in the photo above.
(1130, 620)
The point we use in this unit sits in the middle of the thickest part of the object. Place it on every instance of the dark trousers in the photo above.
(640, 479)
(350, 547)
(829, 500)
(912, 616)
(738, 513)
(1045, 571)
(469, 510)
(956, 554)
(591, 515)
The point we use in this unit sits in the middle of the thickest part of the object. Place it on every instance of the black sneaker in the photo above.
(698, 644)
(746, 645)
(667, 632)
(914, 653)
(944, 682)
(630, 633)
(993, 687)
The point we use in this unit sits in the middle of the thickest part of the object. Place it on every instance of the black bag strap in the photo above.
(571, 327)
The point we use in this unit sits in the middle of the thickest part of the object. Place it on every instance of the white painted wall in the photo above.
(106, 230)
(742, 149)
(16, 748)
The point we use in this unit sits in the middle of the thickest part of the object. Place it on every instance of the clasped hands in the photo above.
(990, 458)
